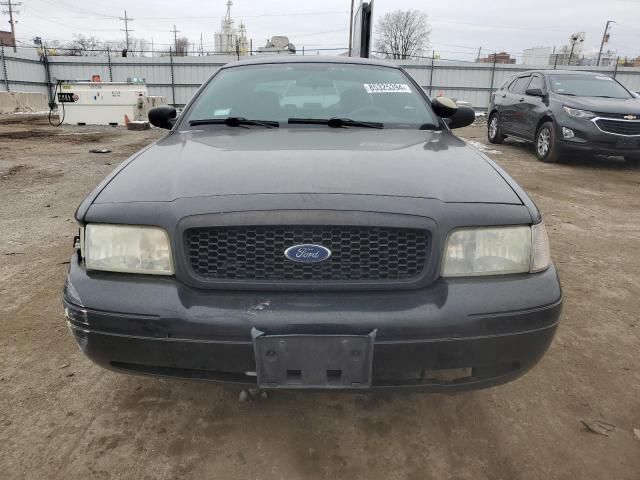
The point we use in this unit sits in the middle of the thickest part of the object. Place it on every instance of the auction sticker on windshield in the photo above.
(387, 88)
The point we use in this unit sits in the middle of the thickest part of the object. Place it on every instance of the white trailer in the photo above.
(104, 103)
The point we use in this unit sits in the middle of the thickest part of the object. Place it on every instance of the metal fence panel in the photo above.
(178, 78)
(24, 72)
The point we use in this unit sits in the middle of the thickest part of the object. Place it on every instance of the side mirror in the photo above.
(444, 107)
(465, 116)
(163, 116)
(535, 92)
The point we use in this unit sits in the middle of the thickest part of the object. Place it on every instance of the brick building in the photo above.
(6, 39)
(501, 57)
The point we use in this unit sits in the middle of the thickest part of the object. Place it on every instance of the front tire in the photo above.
(633, 161)
(493, 129)
(546, 145)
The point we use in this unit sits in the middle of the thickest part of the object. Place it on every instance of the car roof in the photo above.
(559, 72)
(270, 59)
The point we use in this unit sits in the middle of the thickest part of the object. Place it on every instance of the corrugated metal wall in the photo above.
(177, 78)
(473, 82)
(24, 72)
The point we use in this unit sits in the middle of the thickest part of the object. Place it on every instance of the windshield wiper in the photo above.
(335, 122)
(234, 122)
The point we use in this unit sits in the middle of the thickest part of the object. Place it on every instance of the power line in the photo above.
(78, 9)
(92, 13)
(69, 25)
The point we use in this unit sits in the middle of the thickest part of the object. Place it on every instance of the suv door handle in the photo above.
(504, 95)
(522, 99)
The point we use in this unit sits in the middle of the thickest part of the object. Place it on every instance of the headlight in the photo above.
(496, 251)
(574, 112)
(125, 248)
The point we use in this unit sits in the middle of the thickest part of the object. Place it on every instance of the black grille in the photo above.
(617, 115)
(619, 127)
(257, 253)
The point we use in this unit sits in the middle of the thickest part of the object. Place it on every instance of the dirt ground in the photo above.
(62, 417)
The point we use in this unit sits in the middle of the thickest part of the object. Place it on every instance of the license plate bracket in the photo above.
(627, 144)
(313, 361)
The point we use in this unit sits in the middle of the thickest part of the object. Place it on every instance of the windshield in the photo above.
(281, 92)
(588, 86)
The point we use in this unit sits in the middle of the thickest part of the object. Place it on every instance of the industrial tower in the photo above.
(229, 40)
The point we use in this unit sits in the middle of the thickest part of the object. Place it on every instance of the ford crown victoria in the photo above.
(313, 223)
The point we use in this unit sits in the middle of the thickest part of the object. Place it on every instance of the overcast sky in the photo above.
(459, 27)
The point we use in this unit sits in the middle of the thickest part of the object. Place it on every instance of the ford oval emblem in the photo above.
(307, 253)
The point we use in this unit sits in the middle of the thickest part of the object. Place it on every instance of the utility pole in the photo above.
(126, 27)
(10, 10)
(201, 47)
(575, 39)
(175, 32)
(605, 37)
(351, 28)
(479, 53)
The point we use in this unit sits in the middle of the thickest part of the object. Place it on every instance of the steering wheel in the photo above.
(362, 111)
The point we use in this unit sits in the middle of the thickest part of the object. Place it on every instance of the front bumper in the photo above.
(589, 138)
(454, 334)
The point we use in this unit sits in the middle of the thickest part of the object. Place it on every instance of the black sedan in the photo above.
(567, 111)
(313, 223)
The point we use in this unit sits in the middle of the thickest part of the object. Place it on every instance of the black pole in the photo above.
(47, 71)
(351, 28)
(615, 70)
(4, 68)
(433, 59)
(571, 53)
(604, 36)
(109, 60)
(173, 85)
(493, 74)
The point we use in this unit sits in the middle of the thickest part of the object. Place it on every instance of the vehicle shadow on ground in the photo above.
(576, 159)
(309, 430)
(339, 434)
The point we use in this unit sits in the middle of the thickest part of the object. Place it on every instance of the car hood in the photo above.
(604, 105)
(219, 161)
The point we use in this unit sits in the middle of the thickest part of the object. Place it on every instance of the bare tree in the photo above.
(137, 46)
(181, 47)
(402, 34)
(81, 45)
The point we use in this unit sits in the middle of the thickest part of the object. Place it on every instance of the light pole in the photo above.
(351, 28)
(605, 36)
(574, 39)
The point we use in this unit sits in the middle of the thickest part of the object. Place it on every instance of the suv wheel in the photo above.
(633, 161)
(545, 144)
(493, 129)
